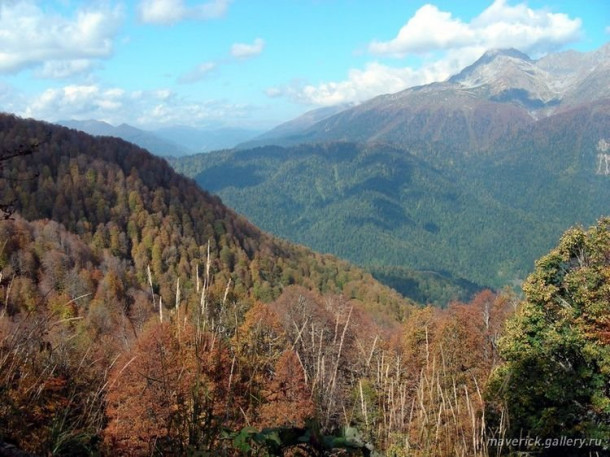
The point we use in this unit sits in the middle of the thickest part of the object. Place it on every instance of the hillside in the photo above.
(107, 250)
(554, 169)
(470, 179)
(376, 205)
(121, 198)
(483, 218)
(140, 316)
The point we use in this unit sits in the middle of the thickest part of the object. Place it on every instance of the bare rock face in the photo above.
(603, 158)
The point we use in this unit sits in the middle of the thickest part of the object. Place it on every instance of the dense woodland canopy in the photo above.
(461, 214)
(139, 316)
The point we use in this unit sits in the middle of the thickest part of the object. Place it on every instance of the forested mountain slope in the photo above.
(555, 168)
(379, 206)
(107, 250)
(116, 196)
(123, 332)
(471, 178)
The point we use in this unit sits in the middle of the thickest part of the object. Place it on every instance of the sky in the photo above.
(257, 63)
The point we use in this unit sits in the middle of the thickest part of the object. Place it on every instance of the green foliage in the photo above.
(426, 287)
(465, 188)
(104, 237)
(302, 441)
(557, 347)
(129, 204)
(380, 206)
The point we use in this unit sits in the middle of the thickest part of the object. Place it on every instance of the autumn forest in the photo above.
(139, 316)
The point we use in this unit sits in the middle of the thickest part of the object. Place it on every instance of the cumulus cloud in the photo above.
(31, 37)
(444, 44)
(360, 85)
(168, 12)
(499, 26)
(245, 50)
(75, 101)
(429, 29)
(147, 109)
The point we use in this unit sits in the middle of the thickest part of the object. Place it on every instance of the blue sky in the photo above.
(257, 63)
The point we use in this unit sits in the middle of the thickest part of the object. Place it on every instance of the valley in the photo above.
(426, 273)
(471, 178)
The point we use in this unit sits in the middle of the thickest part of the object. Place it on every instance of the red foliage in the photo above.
(174, 391)
(288, 398)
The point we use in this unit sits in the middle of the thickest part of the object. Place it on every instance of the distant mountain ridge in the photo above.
(204, 140)
(502, 91)
(294, 126)
(171, 141)
(142, 138)
(473, 177)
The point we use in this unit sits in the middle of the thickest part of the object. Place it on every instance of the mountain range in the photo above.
(170, 141)
(140, 315)
(502, 91)
(471, 178)
(295, 126)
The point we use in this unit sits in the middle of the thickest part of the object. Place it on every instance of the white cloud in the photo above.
(75, 101)
(244, 50)
(162, 11)
(198, 73)
(168, 12)
(238, 51)
(361, 85)
(193, 113)
(499, 26)
(31, 37)
(445, 45)
(61, 69)
(212, 10)
(147, 109)
(429, 29)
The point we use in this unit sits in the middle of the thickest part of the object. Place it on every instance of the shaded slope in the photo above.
(376, 205)
(551, 169)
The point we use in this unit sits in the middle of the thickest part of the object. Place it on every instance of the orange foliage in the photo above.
(288, 398)
(175, 390)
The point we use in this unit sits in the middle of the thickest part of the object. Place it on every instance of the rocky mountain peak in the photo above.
(509, 52)
(509, 75)
(503, 90)
(493, 58)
